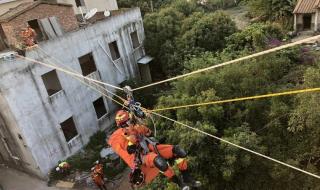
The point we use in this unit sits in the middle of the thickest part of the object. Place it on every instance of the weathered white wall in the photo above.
(38, 116)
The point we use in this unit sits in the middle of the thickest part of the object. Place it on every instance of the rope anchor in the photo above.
(135, 107)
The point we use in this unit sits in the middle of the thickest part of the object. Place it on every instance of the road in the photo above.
(12, 179)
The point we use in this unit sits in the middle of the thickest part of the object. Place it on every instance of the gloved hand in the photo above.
(132, 149)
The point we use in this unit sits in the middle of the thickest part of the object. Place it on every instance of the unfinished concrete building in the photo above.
(46, 115)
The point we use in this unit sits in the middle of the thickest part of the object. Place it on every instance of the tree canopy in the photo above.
(184, 36)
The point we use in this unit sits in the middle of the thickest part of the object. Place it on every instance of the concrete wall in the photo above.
(39, 116)
(5, 5)
(64, 14)
(101, 5)
(14, 151)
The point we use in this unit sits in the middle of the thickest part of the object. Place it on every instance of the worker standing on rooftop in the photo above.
(28, 36)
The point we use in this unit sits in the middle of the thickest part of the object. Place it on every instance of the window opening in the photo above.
(113, 46)
(135, 40)
(69, 129)
(100, 107)
(87, 64)
(51, 82)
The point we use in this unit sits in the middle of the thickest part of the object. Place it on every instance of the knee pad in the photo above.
(161, 163)
(179, 152)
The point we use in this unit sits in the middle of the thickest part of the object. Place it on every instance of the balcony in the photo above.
(75, 143)
(138, 53)
(95, 76)
(56, 96)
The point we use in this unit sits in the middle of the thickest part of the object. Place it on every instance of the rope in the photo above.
(195, 129)
(73, 70)
(90, 86)
(232, 61)
(238, 146)
(308, 90)
(68, 72)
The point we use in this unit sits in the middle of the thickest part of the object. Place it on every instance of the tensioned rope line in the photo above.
(307, 90)
(233, 61)
(67, 72)
(73, 70)
(93, 88)
(208, 134)
(238, 146)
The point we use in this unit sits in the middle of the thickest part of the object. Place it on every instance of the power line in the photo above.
(238, 146)
(308, 90)
(232, 61)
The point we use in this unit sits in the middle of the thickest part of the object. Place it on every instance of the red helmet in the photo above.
(122, 117)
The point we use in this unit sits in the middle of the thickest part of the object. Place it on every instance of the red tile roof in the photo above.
(306, 6)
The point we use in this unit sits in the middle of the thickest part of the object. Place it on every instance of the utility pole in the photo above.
(151, 5)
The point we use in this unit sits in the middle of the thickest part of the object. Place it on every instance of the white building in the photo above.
(45, 115)
(85, 5)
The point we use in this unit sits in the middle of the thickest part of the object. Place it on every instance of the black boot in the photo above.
(175, 179)
(188, 179)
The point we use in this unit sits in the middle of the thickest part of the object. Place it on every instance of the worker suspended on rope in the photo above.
(133, 143)
(97, 175)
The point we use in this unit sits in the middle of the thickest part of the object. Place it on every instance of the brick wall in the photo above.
(64, 14)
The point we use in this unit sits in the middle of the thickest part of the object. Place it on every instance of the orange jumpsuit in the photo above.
(28, 35)
(98, 176)
(123, 137)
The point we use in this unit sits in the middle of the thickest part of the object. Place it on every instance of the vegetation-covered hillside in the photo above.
(184, 36)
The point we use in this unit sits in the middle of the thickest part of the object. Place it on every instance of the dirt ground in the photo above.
(15, 180)
(12, 179)
(238, 15)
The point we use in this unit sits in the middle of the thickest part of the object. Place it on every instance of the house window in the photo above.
(100, 108)
(51, 82)
(69, 129)
(135, 40)
(87, 64)
(113, 46)
(80, 3)
(34, 24)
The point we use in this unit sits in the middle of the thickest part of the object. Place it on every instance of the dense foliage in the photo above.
(274, 10)
(185, 36)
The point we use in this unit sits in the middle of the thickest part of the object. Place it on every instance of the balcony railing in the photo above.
(56, 96)
(95, 76)
(138, 53)
(75, 142)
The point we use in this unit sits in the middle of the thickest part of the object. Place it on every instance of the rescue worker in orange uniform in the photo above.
(126, 142)
(97, 176)
(28, 36)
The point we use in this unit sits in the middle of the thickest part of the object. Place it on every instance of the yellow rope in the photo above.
(195, 129)
(241, 99)
(238, 146)
(234, 61)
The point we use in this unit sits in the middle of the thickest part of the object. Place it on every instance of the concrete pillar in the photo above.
(295, 23)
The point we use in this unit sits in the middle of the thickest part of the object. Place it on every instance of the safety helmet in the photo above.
(122, 117)
(137, 177)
